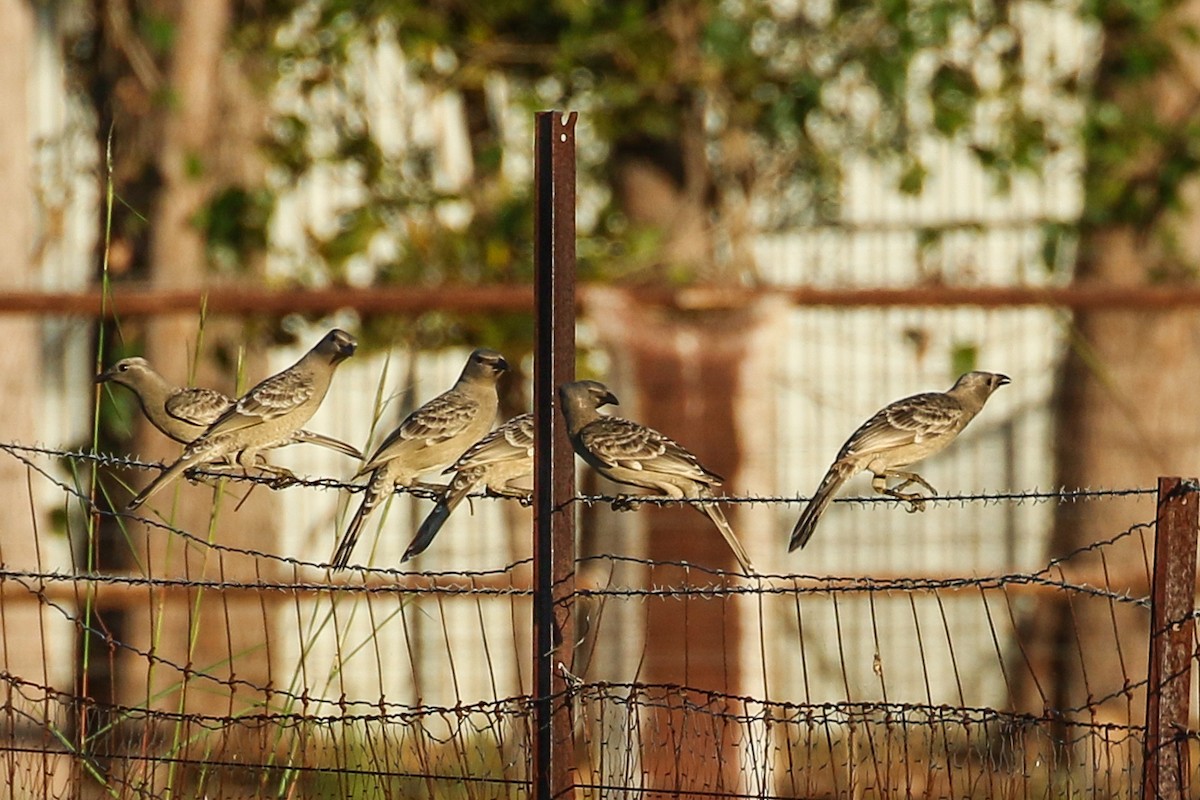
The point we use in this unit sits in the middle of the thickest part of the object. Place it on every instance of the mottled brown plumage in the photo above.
(430, 438)
(900, 434)
(269, 414)
(633, 454)
(502, 461)
(183, 414)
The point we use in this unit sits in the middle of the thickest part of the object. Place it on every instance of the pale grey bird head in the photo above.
(983, 383)
(593, 394)
(127, 371)
(337, 346)
(484, 364)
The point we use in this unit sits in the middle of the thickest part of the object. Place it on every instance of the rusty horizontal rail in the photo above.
(142, 301)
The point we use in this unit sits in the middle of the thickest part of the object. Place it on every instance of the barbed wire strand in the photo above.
(621, 502)
(270, 702)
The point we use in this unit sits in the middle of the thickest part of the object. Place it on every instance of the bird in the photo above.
(270, 413)
(633, 454)
(898, 435)
(500, 461)
(183, 414)
(430, 438)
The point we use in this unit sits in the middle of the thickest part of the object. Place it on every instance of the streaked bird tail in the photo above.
(464, 481)
(837, 475)
(185, 461)
(328, 442)
(714, 512)
(372, 494)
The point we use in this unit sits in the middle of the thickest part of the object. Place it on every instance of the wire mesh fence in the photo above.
(204, 648)
(242, 672)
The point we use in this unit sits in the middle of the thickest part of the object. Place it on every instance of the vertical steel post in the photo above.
(1165, 769)
(554, 461)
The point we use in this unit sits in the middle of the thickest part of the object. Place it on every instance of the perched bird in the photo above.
(633, 454)
(900, 434)
(501, 461)
(184, 414)
(430, 438)
(267, 415)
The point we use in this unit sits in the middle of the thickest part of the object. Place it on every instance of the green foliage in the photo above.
(964, 357)
(1059, 240)
(954, 93)
(731, 99)
(234, 223)
(727, 97)
(1142, 148)
(376, 760)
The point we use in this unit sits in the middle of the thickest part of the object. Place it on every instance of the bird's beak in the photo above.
(104, 377)
(345, 349)
(609, 399)
(1002, 380)
(501, 364)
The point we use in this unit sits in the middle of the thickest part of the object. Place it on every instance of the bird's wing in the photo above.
(197, 406)
(512, 440)
(905, 422)
(618, 442)
(271, 399)
(442, 418)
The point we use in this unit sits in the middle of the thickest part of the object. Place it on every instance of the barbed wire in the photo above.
(516, 705)
(635, 692)
(635, 698)
(419, 583)
(620, 502)
(297, 707)
(465, 582)
(440, 582)
(860, 585)
(102, 510)
(843, 710)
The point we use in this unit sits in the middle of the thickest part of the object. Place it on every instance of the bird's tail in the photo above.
(328, 442)
(807, 524)
(464, 481)
(372, 494)
(714, 512)
(189, 459)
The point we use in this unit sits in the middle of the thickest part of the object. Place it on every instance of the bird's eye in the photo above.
(123, 368)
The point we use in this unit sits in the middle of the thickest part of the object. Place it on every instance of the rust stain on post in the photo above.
(554, 461)
(1165, 770)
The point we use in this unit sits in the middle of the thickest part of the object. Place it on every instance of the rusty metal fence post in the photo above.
(554, 467)
(1172, 644)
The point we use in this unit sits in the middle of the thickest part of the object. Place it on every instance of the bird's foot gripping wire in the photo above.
(625, 502)
(915, 500)
(278, 477)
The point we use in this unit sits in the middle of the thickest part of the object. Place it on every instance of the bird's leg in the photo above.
(916, 502)
(909, 479)
(280, 477)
